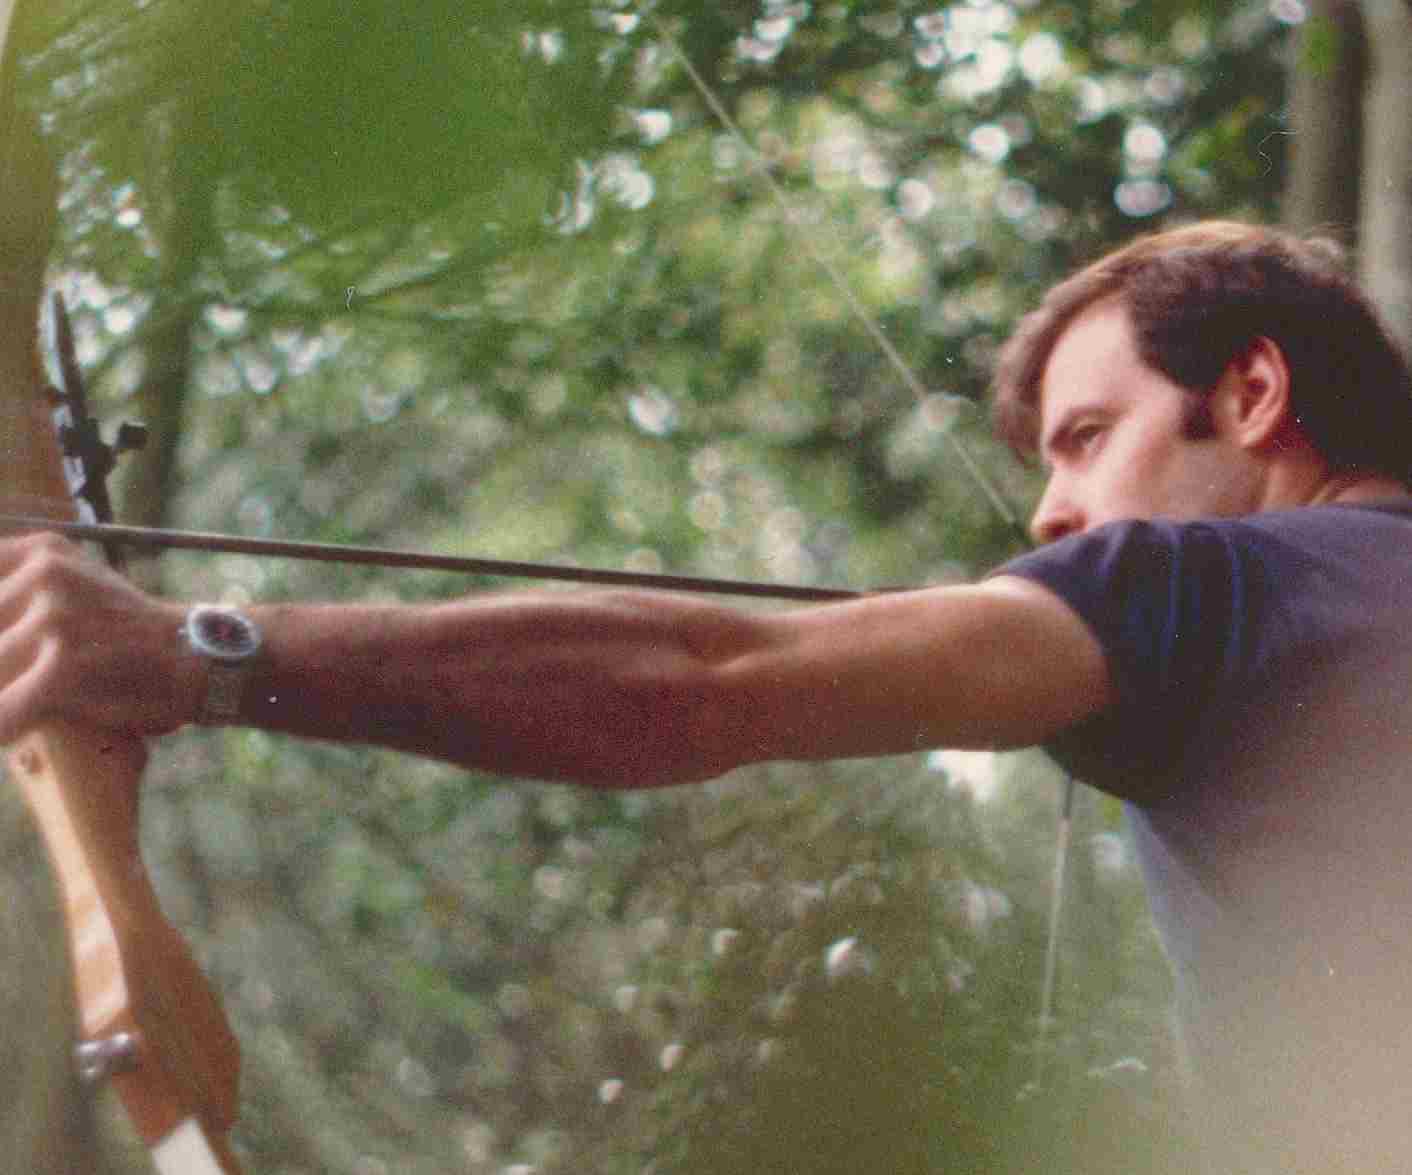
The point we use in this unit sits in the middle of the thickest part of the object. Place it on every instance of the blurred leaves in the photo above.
(345, 113)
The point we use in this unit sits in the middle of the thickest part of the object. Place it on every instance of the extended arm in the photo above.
(617, 690)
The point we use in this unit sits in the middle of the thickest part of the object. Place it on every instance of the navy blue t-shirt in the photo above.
(1262, 736)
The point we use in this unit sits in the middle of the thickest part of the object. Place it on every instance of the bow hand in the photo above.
(81, 644)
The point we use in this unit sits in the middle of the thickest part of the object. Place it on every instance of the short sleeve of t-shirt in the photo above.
(1172, 605)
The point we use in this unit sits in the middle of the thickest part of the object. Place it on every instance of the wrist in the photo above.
(223, 645)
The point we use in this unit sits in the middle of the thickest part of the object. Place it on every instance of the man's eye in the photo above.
(1083, 436)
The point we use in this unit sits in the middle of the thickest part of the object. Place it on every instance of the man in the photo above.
(1234, 666)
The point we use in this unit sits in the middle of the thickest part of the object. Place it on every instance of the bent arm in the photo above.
(628, 690)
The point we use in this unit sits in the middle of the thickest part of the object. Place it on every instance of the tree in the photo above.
(1351, 156)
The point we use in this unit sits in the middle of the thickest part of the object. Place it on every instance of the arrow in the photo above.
(157, 538)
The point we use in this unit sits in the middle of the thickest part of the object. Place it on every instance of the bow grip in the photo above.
(82, 786)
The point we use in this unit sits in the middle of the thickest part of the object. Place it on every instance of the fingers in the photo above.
(78, 642)
(23, 701)
(42, 564)
(32, 668)
(45, 583)
(31, 572)
(15, 550)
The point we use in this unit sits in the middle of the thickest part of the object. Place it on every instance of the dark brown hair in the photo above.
(1198, 297)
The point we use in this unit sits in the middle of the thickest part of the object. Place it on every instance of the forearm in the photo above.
(609, 690)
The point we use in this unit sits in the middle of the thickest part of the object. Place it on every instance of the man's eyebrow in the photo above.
(1057, 435)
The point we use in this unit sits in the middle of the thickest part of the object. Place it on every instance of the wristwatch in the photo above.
(227, 640)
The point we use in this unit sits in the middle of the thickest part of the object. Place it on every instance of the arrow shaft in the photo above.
(156, 538)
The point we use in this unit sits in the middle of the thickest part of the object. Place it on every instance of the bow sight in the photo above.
(87, 458)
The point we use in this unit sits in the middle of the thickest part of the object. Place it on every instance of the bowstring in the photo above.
(790, 214)
(866, 319)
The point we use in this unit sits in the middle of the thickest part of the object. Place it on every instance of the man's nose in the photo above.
(1056, 515)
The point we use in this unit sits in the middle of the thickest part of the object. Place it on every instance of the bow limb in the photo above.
(136, 981)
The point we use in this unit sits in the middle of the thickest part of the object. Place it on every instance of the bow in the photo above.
(147, 1015)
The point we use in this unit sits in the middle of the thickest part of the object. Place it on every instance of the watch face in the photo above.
(222, 632)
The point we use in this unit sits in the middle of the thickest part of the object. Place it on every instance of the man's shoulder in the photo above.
(1181, 607)
(1164, 544)
(1329, 519)
(1344, 539)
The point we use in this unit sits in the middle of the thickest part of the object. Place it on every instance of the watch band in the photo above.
(225, 685)
(227, 640)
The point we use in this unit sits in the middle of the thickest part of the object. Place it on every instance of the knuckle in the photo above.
(47, 564)
(47, 546)
(52, 675)
(53, 566)
(46, 608)
(49, 622)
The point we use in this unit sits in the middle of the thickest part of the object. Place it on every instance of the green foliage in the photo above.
(864, 1016)
(349, 113)
(350, 108)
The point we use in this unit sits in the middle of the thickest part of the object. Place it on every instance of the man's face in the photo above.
(1113, 435)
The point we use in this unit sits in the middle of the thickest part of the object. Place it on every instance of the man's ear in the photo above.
(1252, 397)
